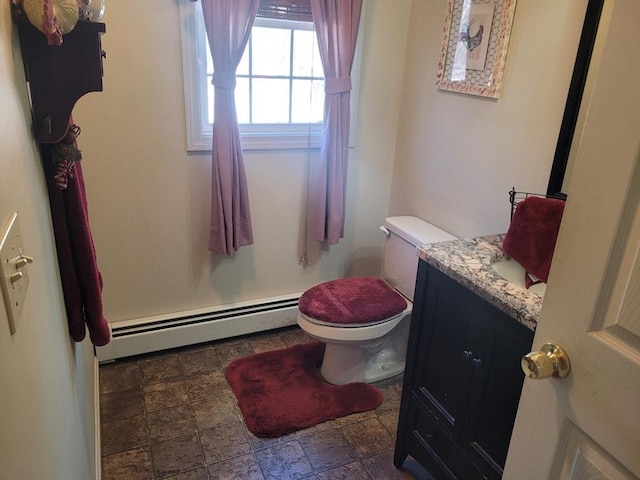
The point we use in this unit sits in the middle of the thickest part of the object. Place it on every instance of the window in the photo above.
(279, 84)
(279, 79)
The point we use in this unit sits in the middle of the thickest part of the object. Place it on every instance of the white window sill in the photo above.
(261, 141)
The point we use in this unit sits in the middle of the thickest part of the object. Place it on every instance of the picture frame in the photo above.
(474, 48)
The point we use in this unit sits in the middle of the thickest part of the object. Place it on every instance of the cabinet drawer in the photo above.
(440, 454)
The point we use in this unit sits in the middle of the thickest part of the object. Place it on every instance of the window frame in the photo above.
(199, 134)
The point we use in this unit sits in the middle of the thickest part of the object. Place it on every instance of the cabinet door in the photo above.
(437, 379)
(445, 376)
(498, 343)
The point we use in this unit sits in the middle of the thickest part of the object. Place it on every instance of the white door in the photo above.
(587, 425)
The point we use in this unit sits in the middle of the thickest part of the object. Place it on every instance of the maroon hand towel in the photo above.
(81, 279)
(532, 235)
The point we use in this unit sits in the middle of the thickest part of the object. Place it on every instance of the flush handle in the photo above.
(550, 361)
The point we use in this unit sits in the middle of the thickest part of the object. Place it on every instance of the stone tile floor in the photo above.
(172, 415)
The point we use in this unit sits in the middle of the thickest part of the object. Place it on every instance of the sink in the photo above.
(514, 273)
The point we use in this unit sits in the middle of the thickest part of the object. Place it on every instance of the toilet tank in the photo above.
(400, 259)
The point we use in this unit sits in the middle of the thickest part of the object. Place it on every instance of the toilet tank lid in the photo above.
(416, 231)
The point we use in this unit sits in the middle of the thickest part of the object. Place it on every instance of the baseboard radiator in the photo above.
(161, 332)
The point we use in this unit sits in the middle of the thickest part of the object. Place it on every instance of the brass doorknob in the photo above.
(551, 361)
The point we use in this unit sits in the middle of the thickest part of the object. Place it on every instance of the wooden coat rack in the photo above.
(59, 75)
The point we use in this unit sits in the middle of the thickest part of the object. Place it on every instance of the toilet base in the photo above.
(344, 364)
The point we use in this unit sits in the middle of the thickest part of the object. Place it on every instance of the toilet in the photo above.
(364, 321)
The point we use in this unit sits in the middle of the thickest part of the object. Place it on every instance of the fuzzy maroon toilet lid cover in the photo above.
(352, 301)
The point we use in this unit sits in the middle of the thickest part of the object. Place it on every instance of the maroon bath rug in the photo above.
(281, 391)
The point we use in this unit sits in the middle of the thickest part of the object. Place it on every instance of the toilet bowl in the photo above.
(364, 321)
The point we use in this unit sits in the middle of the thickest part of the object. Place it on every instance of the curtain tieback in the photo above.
(337, 85)
(224, 80)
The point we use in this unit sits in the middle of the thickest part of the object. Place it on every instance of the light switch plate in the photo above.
(15, 279)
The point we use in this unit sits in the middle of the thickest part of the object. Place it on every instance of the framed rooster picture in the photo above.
(474, 46)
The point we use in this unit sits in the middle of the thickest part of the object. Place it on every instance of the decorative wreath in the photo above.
(54, 18)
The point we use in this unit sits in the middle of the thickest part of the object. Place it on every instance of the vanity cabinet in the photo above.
(462, 381)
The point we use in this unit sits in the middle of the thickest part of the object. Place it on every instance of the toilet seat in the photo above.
(358, 333)
(347, 325)
(354, 302)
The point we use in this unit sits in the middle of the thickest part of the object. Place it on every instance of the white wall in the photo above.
(459, 155)
(149, 199)
(456, 156)
(47, 383)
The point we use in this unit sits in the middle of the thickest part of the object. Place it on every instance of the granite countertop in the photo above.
(468, 261)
